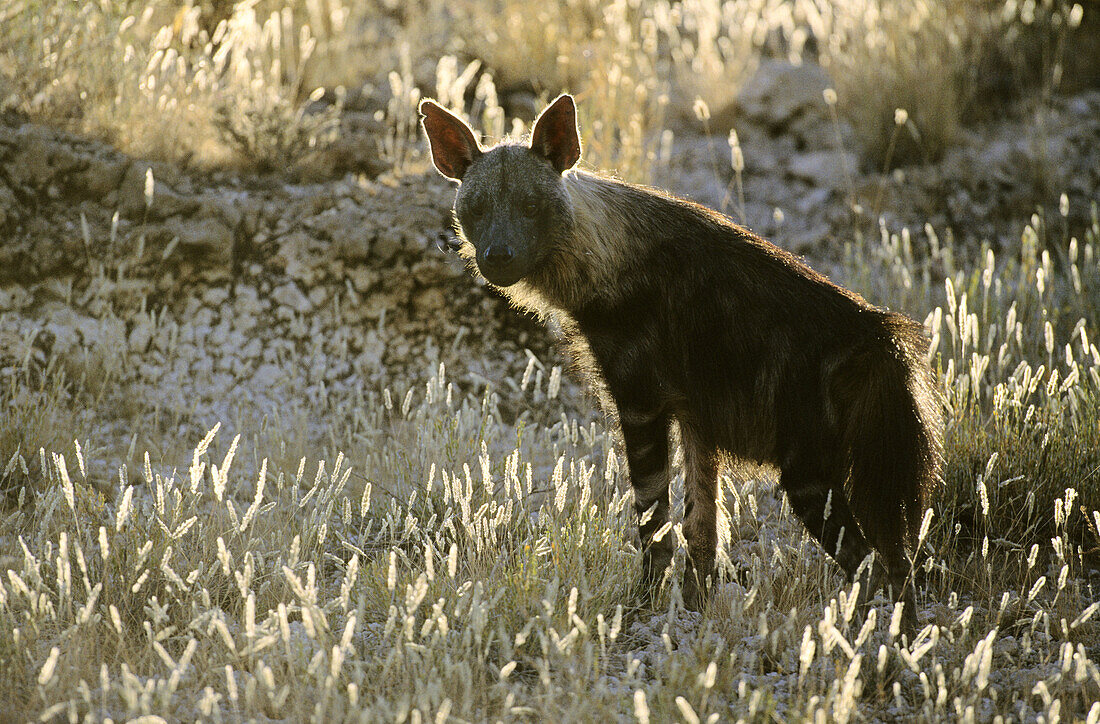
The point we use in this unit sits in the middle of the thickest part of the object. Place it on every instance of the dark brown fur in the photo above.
(684, 316)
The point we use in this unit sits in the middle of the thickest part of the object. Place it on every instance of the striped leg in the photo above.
(811, 496)
(817, 497)
(646, 438)
(893, 575)
(700, 517)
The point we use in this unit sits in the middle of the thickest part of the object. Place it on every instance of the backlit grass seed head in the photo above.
(150, 185)
(737, 156)
(701, 110)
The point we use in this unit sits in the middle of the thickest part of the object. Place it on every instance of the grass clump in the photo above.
(159, 83)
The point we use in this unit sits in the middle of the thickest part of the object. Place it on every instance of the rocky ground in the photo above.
(192, 298)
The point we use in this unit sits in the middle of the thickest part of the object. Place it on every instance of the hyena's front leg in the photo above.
(700, 517)
(646, 437)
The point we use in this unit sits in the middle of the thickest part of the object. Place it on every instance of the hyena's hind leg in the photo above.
(886, 535)
(645, 436)
(700, 517)
(815, 492)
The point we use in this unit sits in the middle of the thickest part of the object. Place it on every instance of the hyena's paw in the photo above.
(895, 587)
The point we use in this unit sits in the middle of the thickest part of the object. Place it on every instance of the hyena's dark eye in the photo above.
(531, 209)
(475, 209)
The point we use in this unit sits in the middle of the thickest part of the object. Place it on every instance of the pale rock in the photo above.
(150, 371)
(820, 132)
(318, 296)
(219, 335)
(238, 367)
(204, 317)
(72, 329)
(141, 335)
(108, 333)
(14, 297)
(207, 237)
(828, 169)
(289, 295)
(345, 227)
(374, 349)
(302, 257)
(805, 239)
(251, 349)
(297, 328)
(191, 307)
(429, 272)
(102, 173)
(163, 336)
(64, 324)
(780, 91)
(760, 159)
(362, 278)
(202, 366)
(247, 301)
(385, 247)
(299, 271)
(267, 376)
(181, 367)
(429, 301)
(9, 209)
(39, 158)
(809, 203)
(245, 322)
(230, 207)
(220, 382)
(214, 296)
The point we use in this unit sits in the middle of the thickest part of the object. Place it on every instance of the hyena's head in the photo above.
(512, 205)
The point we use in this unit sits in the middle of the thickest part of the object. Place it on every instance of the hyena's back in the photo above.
(761, 356)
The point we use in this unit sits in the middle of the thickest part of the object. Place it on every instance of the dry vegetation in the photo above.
(214, 82)
(441, 559)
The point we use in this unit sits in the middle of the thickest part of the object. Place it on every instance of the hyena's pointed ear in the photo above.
(555, 135)
(454, 146)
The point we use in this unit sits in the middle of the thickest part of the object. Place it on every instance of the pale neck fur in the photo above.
(591, 264)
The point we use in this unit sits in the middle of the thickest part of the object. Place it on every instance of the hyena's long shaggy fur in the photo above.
(684, 316)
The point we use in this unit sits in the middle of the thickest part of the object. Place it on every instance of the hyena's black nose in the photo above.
(499, 255)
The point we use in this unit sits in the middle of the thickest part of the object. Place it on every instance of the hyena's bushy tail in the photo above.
(893, 434)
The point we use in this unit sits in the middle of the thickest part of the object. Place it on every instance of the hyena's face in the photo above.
(512, 204)
(511, 208)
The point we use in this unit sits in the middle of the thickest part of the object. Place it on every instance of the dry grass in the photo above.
(216, 82)
(452, 565)
(438, 559)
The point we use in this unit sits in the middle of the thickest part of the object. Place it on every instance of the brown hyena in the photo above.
(678, 314)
